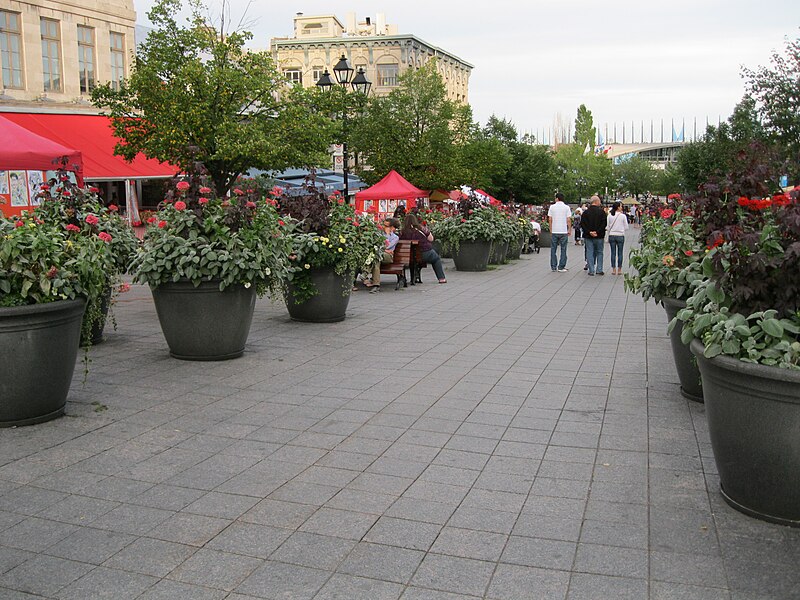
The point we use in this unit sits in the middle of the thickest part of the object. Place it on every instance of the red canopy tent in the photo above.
(393, 190)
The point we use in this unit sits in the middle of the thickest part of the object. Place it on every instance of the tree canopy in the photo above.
(635, 176)
(196, 94)
(585, 131)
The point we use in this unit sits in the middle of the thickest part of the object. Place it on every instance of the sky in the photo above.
(628, 61)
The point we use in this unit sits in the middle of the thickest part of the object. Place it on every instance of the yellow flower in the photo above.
(324, 240)
(341, 249)
(342, 240)
(306, 266)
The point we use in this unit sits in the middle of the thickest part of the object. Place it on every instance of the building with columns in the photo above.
(54, 52)
(374, 45)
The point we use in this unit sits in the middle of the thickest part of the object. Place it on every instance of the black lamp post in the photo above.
(343, 73)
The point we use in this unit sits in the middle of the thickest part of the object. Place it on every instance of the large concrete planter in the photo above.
(202, 323)
(38, 350)
(437, 245)
(753, 414)
(545, 239)
(329, 305)
(685, 363)
(515, 249)
(472, 255)
(497, 255)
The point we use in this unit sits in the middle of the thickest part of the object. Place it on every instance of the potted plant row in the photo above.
(469, 234)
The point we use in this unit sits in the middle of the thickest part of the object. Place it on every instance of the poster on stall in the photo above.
(383, 206)
(18, 187)
(35, 180)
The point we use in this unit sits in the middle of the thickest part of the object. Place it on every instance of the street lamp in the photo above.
(343, 73)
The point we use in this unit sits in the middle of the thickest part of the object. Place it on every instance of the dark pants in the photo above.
(434, 260)
(558, 240)
(616, 243)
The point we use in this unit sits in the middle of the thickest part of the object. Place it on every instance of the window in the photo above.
(11, 50)
(51, 54)
(387, 75)
(86, 58)
(117, 59)
(316, 73)
(293, 75)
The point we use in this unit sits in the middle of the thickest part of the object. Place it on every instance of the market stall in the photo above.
(392, 191)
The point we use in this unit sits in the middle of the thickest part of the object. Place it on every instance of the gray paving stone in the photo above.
(150, 557)
(185, 528)
(453, 574)
(377, 561)
(275, 580)
(91, 545)
(107, 584)
(537, 552)
(175, 590)
(312, 550)
(339, 523)
(468, 543)
(588, 587)
(404, 533)
(44, 575)
(513, 582)
(215, 569)
(347, 587)
(610, 560)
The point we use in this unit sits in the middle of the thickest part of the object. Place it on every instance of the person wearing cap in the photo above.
(593, 223)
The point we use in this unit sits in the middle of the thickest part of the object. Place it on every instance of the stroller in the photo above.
(533, 243)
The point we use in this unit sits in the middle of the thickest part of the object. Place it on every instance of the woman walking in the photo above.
(617, 225)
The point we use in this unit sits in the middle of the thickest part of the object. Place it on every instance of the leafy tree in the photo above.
(196, 94)
(415, 130)
(667, 181)
(585, 131)
(579, 175)
(777, 91)
(502, 130)
(635, 176)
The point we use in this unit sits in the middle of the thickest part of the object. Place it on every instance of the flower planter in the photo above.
(202, 323)
(472, 255)
(753, 414)
(515, 249)
(497, 255)
(38, 350)
(329, 305)
(685, 363)
(545, 238)
(440, 250)
(96, 334)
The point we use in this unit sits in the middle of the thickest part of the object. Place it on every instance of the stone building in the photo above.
(374, 45)
(54, 52)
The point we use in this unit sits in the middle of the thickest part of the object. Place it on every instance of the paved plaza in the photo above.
(514, 434)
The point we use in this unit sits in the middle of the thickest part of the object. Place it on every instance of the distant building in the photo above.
(320, 40)
(54, 53)
(658, 154)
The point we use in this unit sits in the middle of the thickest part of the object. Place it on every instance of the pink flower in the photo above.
(51, 274)
(205, 190)
(124, 287)
(281, 223)
(203, 200)
(182, 186)
(113, 208)
(19, 224)
(276, 191)
(94, 190)
(667, 213)
(72, 227)
(104, 236)
(238, 192)
(162, 224)
(92, 219)
(180, 205)
(250, 205)
(688, 252)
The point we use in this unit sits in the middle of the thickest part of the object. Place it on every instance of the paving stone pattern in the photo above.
(514, 434)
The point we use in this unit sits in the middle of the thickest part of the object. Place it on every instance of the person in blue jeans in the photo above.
(617, 225)
(413, 230)
(594, 222)
(560, 217)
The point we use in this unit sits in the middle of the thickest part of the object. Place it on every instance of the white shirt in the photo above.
(536, 226)
(559, 212)
(617, 224)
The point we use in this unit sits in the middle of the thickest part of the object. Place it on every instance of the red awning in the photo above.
(23, 149)
(392, 187)
(93, 137)
(492, 200)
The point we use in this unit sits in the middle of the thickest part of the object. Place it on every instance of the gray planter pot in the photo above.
(515, 249)
(202, 323)
(753, 414)
(98, 327)
(329, 305)
(545, 239)
(685, 363)
(38, 350)
(440, 250)
(497, 255)
(472, 255)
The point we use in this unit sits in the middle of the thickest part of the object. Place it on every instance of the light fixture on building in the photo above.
(361, 83)
(343, 71)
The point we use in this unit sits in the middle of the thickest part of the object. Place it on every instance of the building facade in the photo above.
(320, 40)
(55, 52)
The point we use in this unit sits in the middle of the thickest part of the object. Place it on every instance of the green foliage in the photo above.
(667, 261)
(635, 176)
(197, 94)
(761, 337)
(585, 131)
(474, 222)
(579, 175)
(198, 237)
(667, 181)
(777, 91)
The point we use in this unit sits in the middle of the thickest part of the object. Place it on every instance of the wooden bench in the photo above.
(404, 257)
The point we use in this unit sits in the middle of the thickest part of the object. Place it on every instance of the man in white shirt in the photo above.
(560, 218)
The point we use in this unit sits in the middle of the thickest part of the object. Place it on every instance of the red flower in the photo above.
(104, 236)
(281, 223)
(44, 187)
(72, 227)
(94, 190)
(667, 213)
(688, 252)
(717, 242)
(180, 205)
(51, 274)
(238, 192)
(182, 186)
(19, 224)
(162, 224)
(674, 197)
(113, 207)
(202, 200)
(151, 220)
(250, 204)
(742, 201)
(276, 191)
(92, 219)
(66, 193)
(463, 220)
(356, 223)
(205, 190)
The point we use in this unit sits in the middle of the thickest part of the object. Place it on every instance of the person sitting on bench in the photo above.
(412, 230)
(390, 226)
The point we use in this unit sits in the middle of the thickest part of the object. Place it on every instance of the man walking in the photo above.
(559, 217)
(593, 222)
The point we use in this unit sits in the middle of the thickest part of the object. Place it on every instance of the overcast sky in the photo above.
(627, 60)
